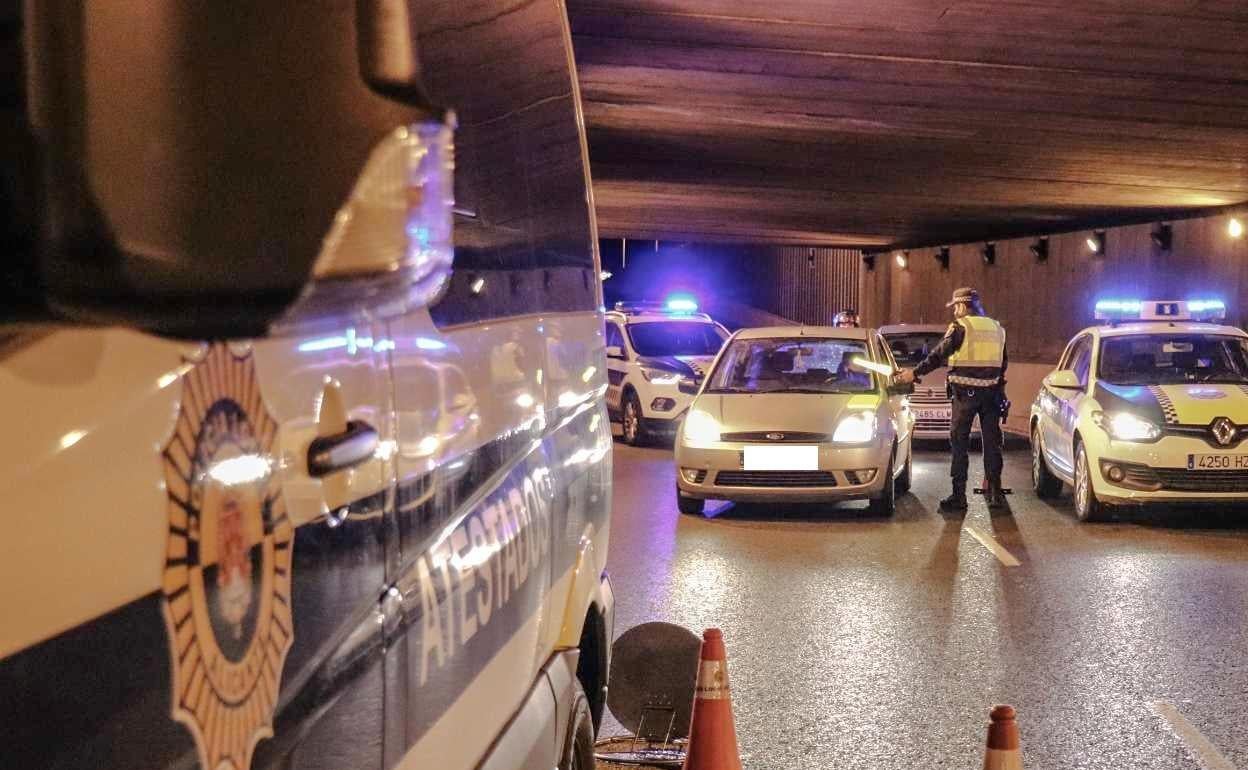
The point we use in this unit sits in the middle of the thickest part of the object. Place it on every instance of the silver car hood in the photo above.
(797, 412)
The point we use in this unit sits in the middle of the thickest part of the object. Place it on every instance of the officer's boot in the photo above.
(954, 503)
(994, 494)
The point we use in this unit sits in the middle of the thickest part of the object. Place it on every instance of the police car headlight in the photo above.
(1124, 426)
(660, 376)
(857, 428)
(701, 428)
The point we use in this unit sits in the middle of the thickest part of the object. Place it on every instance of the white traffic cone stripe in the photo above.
(713, 680)
(999, 759)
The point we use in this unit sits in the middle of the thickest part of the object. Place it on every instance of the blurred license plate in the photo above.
(781, 458)
(933, 414)
(1217, 462)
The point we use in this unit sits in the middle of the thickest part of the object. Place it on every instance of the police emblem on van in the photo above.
(228, 561)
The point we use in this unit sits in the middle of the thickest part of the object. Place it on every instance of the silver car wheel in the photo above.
(631, 421)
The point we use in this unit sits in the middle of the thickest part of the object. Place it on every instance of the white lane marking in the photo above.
(1202, 750)
(990, 542)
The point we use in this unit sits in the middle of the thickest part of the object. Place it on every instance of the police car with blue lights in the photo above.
(308, 462)
(651, 348)
(1150, 407)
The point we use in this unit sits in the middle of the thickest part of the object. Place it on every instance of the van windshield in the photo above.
(1171, 359)
(791, 365)
(910, 348)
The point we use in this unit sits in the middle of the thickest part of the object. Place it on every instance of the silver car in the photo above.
(797, 414)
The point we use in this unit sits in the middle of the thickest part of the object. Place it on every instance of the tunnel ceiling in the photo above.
(871, 122)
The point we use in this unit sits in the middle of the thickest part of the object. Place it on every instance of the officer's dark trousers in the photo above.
(967, 403)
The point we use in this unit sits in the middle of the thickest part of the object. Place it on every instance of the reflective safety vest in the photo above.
(983, 347)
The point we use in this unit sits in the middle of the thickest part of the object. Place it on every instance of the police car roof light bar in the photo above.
(681, 304)
(1120, 310)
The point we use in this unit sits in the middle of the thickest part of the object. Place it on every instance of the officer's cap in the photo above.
(965, 294)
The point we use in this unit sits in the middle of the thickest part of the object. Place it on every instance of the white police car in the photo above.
(651, 347)
(1151, 407)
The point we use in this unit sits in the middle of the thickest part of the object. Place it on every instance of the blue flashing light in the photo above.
(682, 304)
(1202, 306)
(1119, 306)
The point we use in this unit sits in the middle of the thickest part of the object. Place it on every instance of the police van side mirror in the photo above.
(1063, 379)
(616, 352)
(688, 386)
(253, 215)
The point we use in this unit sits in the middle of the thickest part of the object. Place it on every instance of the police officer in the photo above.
(846, 319)
(974, 348)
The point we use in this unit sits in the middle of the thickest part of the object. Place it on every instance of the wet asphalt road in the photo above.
(858, 642)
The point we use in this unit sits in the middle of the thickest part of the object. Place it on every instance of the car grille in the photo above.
(787, 437)
(927, 398)
(1180, 480)
(781, 479)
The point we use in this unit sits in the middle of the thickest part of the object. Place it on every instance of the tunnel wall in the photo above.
(805, 284)
(1043, 304)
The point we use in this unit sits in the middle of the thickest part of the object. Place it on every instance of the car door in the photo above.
(329, 395)
(210, 582)
(617, 367)
(899, 405)
(1059, 444)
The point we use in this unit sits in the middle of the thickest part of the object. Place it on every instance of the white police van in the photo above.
(651, 348)
(1150, 408)
(303, 470)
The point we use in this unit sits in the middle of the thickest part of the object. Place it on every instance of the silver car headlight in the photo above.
(856, 428)
(700, 428)
(1124, 426)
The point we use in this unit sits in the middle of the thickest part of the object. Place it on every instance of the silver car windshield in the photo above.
(1172, 359)
(791, 365)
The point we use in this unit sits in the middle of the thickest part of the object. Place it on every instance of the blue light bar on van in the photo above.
(681, 304)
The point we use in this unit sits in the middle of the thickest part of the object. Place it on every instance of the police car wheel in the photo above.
(691, 506)
(902, 484)
(1087, 507)
(631, 427)
(886, 503)
(579, 754)
(1046, 485)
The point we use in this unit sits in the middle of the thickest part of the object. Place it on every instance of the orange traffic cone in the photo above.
(1003, 752)
(712, 734)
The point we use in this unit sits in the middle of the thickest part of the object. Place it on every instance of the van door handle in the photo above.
(330, 454)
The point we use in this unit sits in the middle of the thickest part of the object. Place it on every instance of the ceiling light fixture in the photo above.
(1096, 242)
(903, 259)
(1235, 228)
(1163, 236)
